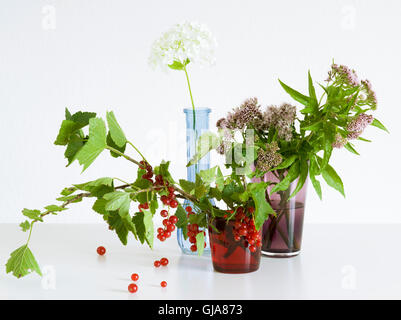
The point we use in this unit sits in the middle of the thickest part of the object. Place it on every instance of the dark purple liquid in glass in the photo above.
(282, 234)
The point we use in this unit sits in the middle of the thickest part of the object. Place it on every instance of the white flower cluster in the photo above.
(188, 41)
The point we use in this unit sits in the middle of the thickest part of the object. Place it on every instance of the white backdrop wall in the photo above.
(87, 54)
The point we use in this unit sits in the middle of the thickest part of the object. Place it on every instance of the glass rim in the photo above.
(197, 110)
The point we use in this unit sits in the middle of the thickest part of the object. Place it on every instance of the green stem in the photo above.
(121, 180)
(30, 233)
(123, 155)
(190, 93)
(137, 150)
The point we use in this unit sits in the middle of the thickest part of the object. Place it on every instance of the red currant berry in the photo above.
(171, 189)
(192, 239)
(237, 224)
(166, 222)
(164, 261)
(237, 237)
(193, 248)
(157, 263)
(163, 284)
(162, 238)
(173, 204)
(164, 213)
(101, 251)
(132, 288)
(160, 230)
(173, 219)
(134, 277)
(252, 248)
(188, 209)
(167, 234)
(171, 227)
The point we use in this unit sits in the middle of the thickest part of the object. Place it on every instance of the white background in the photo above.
(92, 55)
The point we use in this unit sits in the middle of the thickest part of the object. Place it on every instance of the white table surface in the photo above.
(337, 262)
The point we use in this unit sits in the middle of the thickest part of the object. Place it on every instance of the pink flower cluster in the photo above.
(357, 125)
(344, 74)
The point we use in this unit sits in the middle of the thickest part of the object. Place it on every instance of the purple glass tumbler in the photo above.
(282, 233)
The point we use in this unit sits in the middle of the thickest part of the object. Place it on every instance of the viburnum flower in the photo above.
(181, 44)
(184, 43)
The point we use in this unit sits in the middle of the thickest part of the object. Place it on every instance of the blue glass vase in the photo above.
(201, 126)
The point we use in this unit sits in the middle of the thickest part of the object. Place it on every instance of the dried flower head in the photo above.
(270, 158)
(282, 118)
(248, 113)
(183, 43)
(358, 125)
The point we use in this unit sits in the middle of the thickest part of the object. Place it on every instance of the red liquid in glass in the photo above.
(228, 255)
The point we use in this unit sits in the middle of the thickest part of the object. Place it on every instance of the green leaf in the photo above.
(71, 125)
(55, 208)
(82, 118)
(200, 243)
(295, 94)
(116, 222)
(314, 170)
(144, 226)
(200, 187)
(118, 200)
(219, 180)
(312, 93)
(205, 143)
(286, 163)
(116, 132)
(95, 145)
(208, 176)
(292, 174)
(329, 138)
(97, 188)
(351, 149)
(25, 226)
(182, 217)
(67, 114)
(303, 174)
(262, 207)
(363, 139)
(22, 262)
(163, 169)
(74, 145)
(186, 185)
(68, 191)
(32, 214)
(332, 179)
(111, 143)
(376, 123)
(100, 206)
(68, 127)
(68, 198)
(176, 65)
